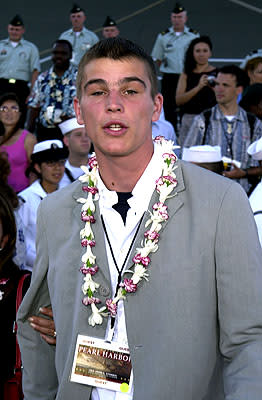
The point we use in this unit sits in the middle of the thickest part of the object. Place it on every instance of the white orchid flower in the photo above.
(140, 272)
(1, 295)
(86, 231)
(88, 256)
(89, 284)
(96, 318)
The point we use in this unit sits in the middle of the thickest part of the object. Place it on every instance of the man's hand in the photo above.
(235, 173)
(45, 326)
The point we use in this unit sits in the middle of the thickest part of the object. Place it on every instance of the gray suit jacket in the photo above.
(194, 330)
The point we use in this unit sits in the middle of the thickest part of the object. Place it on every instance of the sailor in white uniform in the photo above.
(79, 144)
(255, 199)
(48, 159)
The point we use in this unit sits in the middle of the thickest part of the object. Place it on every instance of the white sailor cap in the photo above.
(49, 150)
(250, 56)
(202, 154)
(69, 125)
(255, 149)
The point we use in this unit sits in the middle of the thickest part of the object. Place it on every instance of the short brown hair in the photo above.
(117, 49)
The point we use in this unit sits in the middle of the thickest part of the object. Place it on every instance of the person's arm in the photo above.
(182, 95)
(32, 114)
(30, 141)
(38, 357)
(238, 258)
(239, 173)
(34, 76)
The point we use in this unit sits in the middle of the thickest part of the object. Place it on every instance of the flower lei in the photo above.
(165, 185)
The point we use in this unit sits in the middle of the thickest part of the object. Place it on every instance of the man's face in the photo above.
(61, 55)
(178, 21)
(78, 142)
(110, 31)
(77, 20)
(15, 32)
(226, 89)
(117, 107)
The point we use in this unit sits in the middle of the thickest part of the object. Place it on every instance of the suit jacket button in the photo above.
(104, 291)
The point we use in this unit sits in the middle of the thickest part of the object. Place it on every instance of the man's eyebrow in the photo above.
(94, 81)
(132, 79)
(127, 79)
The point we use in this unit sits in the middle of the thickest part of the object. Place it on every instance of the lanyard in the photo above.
(120, 271)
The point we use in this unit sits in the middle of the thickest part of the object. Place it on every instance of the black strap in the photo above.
(207, 115)
(258, 212)
(251, 120)
(69, 175)
(120, 271)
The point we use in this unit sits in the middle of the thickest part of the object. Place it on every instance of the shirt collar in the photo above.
(218, 115)
(143, 190)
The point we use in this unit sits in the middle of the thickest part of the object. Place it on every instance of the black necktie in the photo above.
(122, 205)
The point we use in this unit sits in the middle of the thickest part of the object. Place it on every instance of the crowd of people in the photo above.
(64, 210)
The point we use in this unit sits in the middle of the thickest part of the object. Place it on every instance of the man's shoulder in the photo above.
(28, 44)
(89, 32)
(66, 33)
(190, 31)
(165, 32)
(4, 41)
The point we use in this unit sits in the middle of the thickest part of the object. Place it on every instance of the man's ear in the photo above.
(78, 112)
(158, 104)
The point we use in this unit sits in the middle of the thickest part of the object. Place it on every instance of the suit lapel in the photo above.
(174, 204)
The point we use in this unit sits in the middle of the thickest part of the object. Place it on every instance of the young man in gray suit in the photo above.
(144, 253)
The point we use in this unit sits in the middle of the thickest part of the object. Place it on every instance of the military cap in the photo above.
(17, 21)
(76, 8)
(250, 56)
(178, 8)
(49, 150)
(109, 22)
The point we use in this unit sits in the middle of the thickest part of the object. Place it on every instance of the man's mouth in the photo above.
(115, 127)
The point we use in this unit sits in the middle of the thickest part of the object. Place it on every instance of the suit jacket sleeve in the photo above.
(239, 291)
(38, 357)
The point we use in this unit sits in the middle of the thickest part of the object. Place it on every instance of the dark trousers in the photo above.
(168, 90)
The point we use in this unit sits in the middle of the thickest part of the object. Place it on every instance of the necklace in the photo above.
(165, 186)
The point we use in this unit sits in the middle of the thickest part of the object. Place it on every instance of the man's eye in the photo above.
(130, 91)
(98, 93)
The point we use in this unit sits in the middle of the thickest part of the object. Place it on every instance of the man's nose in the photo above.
(114, 102)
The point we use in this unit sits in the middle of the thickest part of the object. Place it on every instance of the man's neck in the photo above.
(78, 29)
(76, 160)
(122, 173)
(228, 109)
(61, 71)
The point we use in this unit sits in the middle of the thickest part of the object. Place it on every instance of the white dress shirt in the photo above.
(121, 237)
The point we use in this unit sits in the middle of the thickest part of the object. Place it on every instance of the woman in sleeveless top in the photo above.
(17, 143)
(194, 90)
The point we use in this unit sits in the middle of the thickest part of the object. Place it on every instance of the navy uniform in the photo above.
(170, 48)
(17, 63)
(80, 41)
